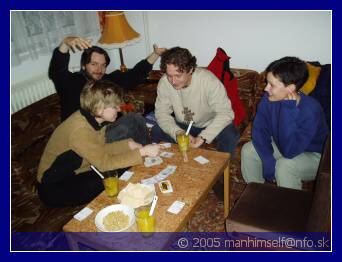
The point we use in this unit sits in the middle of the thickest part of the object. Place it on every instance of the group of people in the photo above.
(287, 139)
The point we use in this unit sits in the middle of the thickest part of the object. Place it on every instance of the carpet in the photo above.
(208, 217)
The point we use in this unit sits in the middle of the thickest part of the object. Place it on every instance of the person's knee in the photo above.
(230, 133)
(138, 118)
(283, 170)
(284, 164)
(132, 120)
(116, 132)
(248, 151)
(156, 133)
(228, 139)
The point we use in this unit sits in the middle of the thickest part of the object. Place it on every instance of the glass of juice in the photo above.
(145, 222)
(183, 141)
(111, 183)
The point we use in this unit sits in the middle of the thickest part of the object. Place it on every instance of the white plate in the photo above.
(104, 212)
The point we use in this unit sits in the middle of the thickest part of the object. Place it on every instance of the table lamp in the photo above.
(117, 33)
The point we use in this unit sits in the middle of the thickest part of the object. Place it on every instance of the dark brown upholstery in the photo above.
(319, 219)
(268, 208)
(31, 128)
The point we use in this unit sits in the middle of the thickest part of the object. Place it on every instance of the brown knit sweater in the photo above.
(79, 142)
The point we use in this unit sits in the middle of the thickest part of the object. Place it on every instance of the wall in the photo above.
(252, 39)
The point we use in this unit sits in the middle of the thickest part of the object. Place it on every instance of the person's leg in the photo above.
(291, 172)
(158, 135)
(228, 139)
(132, 125)
(251, 165)
(72, 191)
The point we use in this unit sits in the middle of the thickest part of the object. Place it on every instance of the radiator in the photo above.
(28, 92)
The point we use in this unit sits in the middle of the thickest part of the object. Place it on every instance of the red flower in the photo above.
(127, 107)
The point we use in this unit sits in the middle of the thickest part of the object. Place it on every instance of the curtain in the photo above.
(38, 33)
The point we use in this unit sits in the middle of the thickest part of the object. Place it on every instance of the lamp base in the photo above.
(123, 68)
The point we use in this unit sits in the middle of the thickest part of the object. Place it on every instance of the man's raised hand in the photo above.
(74, 42)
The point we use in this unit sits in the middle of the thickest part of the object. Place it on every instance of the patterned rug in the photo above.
(209, 217)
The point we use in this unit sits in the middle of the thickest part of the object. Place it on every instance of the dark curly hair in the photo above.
(180, 57)
(289, 70)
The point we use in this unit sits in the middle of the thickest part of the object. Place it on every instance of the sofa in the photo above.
(31, 128)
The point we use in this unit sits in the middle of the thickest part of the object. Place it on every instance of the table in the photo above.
(191, 183)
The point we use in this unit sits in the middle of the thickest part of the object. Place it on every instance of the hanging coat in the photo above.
(219, 66)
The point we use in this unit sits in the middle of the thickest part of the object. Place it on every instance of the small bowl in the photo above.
(104, 212)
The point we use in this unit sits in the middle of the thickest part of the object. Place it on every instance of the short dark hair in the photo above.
(180, 57)
(289, 70)
(86, 55)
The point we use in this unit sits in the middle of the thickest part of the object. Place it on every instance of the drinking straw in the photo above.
(97, 171)
(188, 130)
(155, 199)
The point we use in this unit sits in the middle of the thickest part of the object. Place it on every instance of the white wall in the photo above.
(252, 39)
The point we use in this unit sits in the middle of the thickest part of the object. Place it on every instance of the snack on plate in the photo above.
(136, 195)
(115, 221)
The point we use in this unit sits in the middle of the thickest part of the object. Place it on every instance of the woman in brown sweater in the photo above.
(64, 174)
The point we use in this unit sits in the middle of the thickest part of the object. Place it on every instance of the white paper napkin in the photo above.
(126, 175)
(202, 160)
(176, 207)
(83, 214)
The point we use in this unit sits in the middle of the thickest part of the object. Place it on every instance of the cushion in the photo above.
(268, 208)
(310, 84)
(219, 66)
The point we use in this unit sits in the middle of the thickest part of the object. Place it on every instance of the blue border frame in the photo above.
(151, 5)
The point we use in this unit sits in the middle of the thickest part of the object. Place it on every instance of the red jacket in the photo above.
(219, 66)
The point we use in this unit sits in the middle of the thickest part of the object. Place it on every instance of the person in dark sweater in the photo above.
(288, 132)
(94, 62)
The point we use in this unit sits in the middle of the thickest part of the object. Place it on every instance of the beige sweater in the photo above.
(76, 134)
(205, 97)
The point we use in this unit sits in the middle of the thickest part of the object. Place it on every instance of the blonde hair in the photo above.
(100, 94)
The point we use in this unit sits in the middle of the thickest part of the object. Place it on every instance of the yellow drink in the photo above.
(111, 186)
(145, 221)
(183, 144)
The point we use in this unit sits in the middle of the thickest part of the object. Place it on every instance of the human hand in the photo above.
(197, 142)
(134, 145)
(150, 150)
(158, 50)
(74, 42)
(293, 95)
(192, 139)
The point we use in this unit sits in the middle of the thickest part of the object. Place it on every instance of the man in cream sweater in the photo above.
(192, 94)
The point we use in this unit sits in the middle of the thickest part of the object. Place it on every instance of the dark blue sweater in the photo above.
(294, 129)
